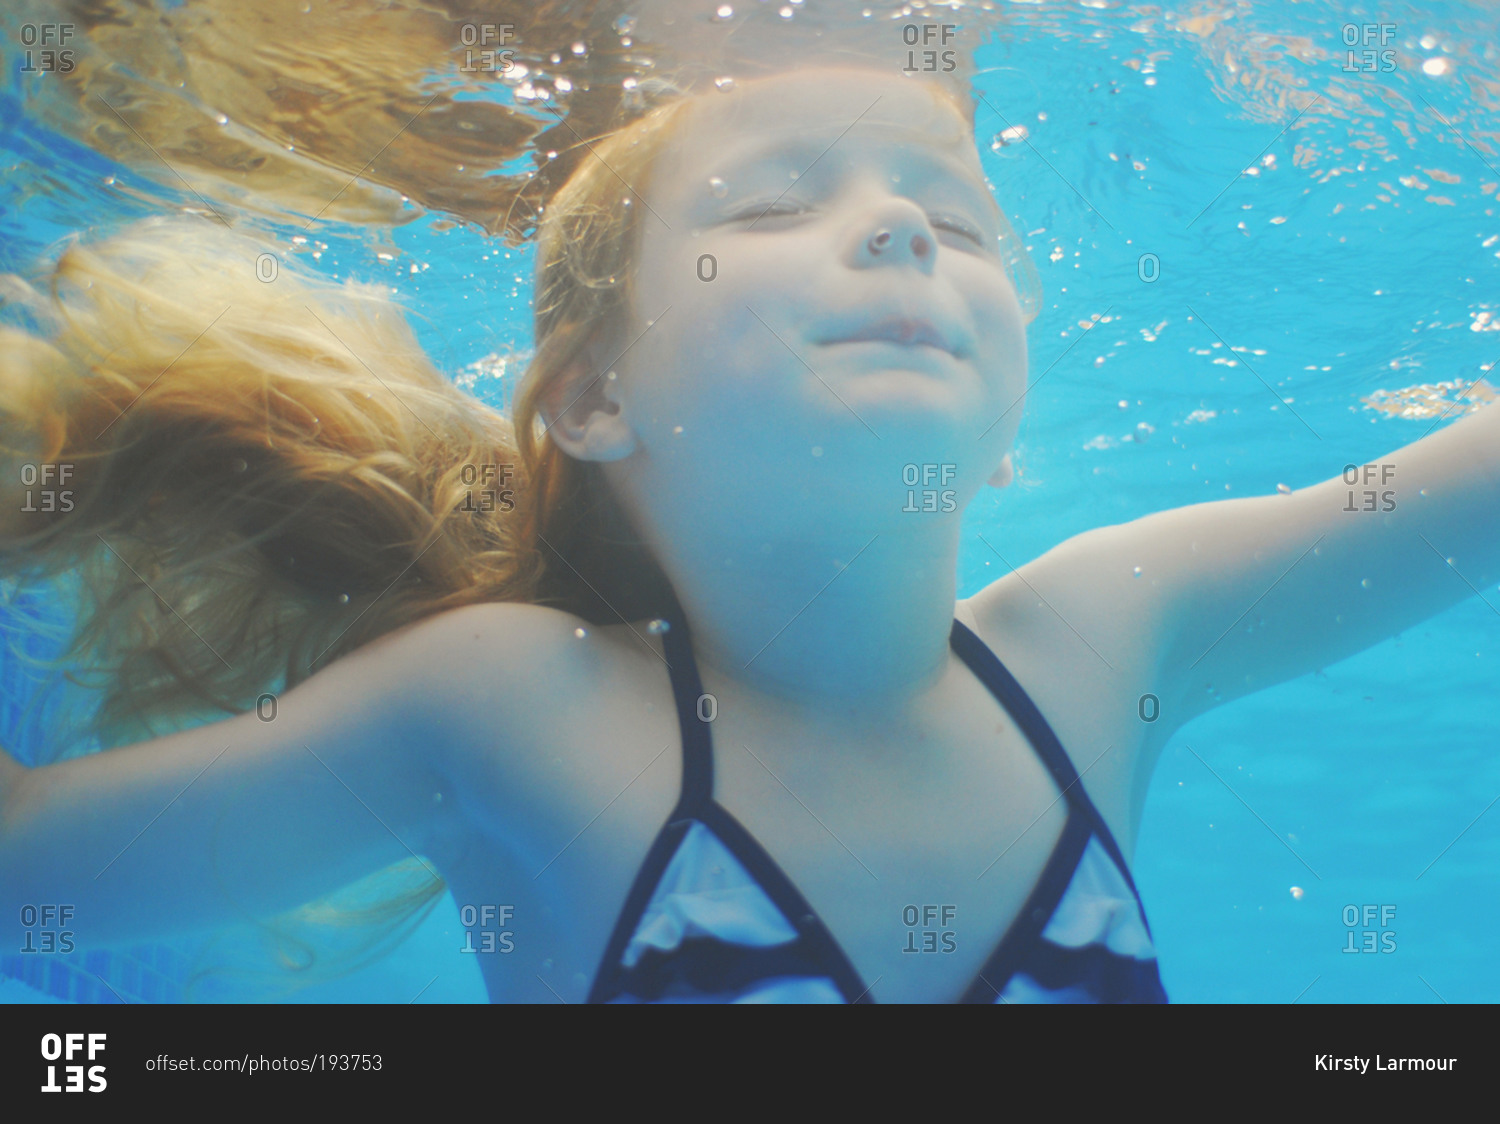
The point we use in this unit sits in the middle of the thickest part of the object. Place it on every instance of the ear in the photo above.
(584, 413)
(1003, 475)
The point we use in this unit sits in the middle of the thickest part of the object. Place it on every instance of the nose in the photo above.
(894, 232)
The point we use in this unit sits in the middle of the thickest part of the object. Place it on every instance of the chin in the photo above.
(896, 391)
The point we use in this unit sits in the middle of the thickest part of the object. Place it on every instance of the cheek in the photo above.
(731, 306)
(1000, 336)
(712, 360)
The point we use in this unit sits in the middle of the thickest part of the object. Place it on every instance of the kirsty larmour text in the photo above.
(1382, 1065)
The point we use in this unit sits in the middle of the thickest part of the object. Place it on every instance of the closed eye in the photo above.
(959, 227)
(785, 208)
(772, 209)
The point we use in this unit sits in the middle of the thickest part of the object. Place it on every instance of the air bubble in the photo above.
(580, 48)
(717, 187)
(343, 599)
(1136, 571)
(726, 83)
(624, 25)
(581, 633)
(221, 118)
(1016, 134)
(677, 431)
(657, 627)
(1283, 489)
(723, 12)
(239, 464)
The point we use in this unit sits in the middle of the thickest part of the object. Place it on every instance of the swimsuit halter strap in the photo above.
(697, 745)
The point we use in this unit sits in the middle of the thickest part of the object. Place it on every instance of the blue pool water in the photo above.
(1316, 234)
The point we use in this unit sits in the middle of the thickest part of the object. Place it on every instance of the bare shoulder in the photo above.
(1096, 587)
(494, 650)
(504, 680)
(1084, 635)
(471, 678)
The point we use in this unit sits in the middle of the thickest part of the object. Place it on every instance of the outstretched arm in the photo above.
(243, 817)
(1256, 591)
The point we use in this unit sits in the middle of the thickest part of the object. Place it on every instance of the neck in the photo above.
(842, 616)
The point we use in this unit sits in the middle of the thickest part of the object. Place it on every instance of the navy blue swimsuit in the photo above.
(712, 918)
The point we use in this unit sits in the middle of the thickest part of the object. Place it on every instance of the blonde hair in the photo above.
(264, 476)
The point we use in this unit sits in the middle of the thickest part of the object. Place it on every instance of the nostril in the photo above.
(919, 245)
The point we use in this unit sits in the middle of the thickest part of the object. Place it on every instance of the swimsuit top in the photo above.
(712, 918)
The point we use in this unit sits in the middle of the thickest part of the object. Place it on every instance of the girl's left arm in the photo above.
(1251, 592)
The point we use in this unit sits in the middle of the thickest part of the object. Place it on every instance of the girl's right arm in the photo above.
(253, 815)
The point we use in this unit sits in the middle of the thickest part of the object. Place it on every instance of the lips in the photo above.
(907, 331)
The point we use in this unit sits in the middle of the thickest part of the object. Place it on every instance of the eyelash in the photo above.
(962, 229)
(939, 222)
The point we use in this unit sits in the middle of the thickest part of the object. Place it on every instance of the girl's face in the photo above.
(819, 256)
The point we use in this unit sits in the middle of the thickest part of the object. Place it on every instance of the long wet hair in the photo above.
(262, 476)
(251, 478)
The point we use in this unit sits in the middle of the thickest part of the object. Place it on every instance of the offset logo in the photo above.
(65, 1048)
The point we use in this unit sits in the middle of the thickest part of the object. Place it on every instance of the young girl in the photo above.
(702, 709)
